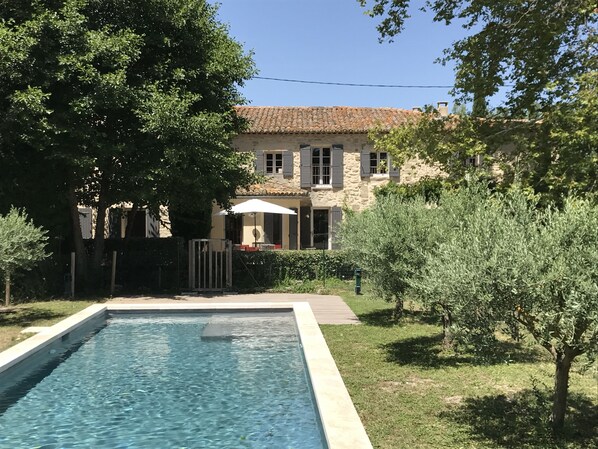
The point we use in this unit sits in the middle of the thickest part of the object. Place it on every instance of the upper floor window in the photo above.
(320, 166)
(379, 163)
(273, 163)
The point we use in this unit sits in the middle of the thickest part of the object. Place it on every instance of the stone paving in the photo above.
(328, 309)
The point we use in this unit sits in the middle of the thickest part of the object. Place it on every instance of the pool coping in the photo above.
(342, 426)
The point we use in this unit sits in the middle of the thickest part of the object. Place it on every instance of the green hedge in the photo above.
(268, 268)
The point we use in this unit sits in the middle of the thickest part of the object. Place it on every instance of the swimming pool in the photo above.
(169, 379)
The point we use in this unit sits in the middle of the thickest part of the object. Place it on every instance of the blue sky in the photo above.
(334, 41)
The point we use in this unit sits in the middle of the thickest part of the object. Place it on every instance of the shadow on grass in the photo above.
(384, 318)
(428, 352)
(522, 420)
(26, 317)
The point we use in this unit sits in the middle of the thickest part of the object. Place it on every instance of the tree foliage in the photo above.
(489, 261)
(532, 270)
(535, 49)
(389, 241)
(22, 245)
(131, 102)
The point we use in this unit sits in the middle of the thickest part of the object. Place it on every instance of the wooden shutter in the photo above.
(287, 164)
(393, 171)
(152, 226)
(305, 174)
(268, 227)
(337, 165)
(365, 163)
(259, 161)
(305, 231)
(85, 222)
(336, 215)
(293, 229)
(114, 223)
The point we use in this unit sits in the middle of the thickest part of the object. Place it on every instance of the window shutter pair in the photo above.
(287, 163)
(336, 216)
(393, 172)
(337, 154)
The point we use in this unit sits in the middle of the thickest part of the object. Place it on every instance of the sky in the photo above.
(334, 41)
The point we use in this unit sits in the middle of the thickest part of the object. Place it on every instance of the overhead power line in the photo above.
(327, 83)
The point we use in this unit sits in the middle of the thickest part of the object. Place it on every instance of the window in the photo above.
(379, 163)
(273, 163)
(320, 166)
(474, 161)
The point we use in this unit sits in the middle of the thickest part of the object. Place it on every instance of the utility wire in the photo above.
(395, 86)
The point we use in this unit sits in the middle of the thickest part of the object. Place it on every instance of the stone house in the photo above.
(316, 161)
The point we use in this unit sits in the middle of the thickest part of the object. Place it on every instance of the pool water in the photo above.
(169, 381)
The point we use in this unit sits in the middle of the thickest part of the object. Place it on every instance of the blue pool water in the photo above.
(169, 381)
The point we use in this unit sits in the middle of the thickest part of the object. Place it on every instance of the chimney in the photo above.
(443, 108)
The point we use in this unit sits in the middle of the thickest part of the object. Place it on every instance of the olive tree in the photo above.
(390, 242)
(536, 269)
(22, 245)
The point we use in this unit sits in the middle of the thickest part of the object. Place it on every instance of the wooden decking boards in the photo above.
(328, 309)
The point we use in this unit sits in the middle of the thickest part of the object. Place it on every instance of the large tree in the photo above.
(545, 54)
(536, 49)
(125, 101)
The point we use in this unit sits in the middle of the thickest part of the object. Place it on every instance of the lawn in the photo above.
(412, 394)
(43, 313)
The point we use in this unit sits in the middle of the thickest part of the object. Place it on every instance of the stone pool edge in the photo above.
(342, 426)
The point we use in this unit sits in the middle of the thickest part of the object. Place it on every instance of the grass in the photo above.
(410, 393)
(21, 316)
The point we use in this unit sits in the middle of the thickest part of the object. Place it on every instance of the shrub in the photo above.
(269, 268)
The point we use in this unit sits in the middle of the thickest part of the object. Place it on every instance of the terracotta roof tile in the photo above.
(321, 120)
(272, 187)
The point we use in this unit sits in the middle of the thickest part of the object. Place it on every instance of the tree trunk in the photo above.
(99, 242)
(563, 362)
(397, 313)
(447, 322)
(80, 253)
(7, 289)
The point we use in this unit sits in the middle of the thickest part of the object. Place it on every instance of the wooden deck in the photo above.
(328, 309)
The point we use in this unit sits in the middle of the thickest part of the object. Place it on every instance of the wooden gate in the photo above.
(210, 265)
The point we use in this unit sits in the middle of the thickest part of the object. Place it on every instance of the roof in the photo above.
(272, 187)
(321, 120)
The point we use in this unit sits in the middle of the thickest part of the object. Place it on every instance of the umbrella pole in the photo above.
(254, 229)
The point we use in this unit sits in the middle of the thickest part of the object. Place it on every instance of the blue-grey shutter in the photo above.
(152, 226)
(268, 227)
(337, 165)
(287, 164)
(293, 221)
(365, 163)
(336, 215)
(114, 223)
(85, 222)
(393, 172)
(259, 162)
(305, 174)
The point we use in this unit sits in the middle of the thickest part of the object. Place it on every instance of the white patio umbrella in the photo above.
(257, 206)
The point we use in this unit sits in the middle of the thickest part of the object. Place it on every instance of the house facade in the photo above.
(317, 161)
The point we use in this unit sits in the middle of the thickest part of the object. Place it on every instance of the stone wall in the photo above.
(357, 192)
